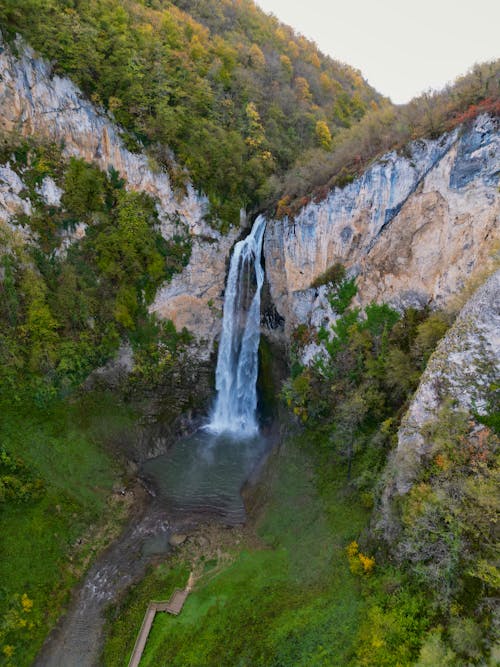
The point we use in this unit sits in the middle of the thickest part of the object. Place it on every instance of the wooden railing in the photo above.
(172, 606)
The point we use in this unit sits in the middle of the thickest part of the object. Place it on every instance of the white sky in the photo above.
(402, 47)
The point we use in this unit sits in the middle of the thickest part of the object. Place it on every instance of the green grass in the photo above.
(291, 602)
(38, 552)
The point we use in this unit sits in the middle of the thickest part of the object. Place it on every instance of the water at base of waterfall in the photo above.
(201, 476)
(237, 363)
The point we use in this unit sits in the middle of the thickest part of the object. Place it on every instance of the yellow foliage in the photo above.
(279, 34)
(352, 549)
(314, 60)
(286, 63)
(326, 82)
(114, 103)
(442, 462)
(283, 207)
(256, 57)
(302, 88)
(368, 563)
(8, 650)
(358, 562)
(196, 48)
(323, 135)
(26, 603)
(293, 49)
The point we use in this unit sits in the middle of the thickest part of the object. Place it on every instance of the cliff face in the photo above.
(462, 370)
(34, 102)
(412, 228)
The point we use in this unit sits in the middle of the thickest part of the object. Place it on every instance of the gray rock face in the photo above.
(11, 201)
(36, 102)
(412, 228)
(463, 367)
(465, 364)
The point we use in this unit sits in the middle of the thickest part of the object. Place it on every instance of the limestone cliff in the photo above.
(36, 102)
(462, 370)
(413, 228)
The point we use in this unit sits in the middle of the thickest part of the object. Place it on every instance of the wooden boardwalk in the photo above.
(172, 606)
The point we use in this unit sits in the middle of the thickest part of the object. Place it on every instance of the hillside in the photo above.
(235, 94)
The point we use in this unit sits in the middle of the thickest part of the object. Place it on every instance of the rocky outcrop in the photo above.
(412, 228)
(12, 202)
(36, 102)
(462, 370)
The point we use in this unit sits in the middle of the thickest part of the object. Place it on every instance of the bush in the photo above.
(332, 276)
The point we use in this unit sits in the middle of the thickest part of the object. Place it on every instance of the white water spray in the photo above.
(237, 362)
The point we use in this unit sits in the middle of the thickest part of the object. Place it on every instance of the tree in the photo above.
(302, 89)
(323, 135)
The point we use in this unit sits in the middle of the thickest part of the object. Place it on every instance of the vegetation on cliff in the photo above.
(233, 92)
(431, 599)
(65, 309)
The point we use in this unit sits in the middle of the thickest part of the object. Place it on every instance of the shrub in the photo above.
(332, 276)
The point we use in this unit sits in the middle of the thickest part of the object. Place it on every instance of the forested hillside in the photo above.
(385, 129)
(233, 92)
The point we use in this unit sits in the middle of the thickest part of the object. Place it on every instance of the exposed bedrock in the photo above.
(35, 102)
(413, 228)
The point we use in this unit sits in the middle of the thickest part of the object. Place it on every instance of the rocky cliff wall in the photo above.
(413, 228)
(36, 102)
(461, 372)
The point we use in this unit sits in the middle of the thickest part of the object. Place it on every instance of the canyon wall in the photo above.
(35, 102)
(412, 229)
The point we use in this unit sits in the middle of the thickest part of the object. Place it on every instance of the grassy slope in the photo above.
(290, 601)
(38, 551)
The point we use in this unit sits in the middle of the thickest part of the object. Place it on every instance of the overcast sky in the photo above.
(401, 47)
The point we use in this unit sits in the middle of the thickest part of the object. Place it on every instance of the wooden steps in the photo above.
(172, 606)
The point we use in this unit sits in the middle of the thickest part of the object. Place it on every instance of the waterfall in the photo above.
(237, 362)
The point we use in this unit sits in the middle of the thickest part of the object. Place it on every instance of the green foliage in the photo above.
(333, 275)
(237, 95)
(450, 513)
(434, 651)
(17, 483)
(65, 313)
(83, 189)
(354, 391)
(158, 353)
(433, 604)
(55, 482)
(391, 632)
(344, 292)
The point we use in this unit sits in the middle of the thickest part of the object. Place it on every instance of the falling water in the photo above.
(237, 363)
